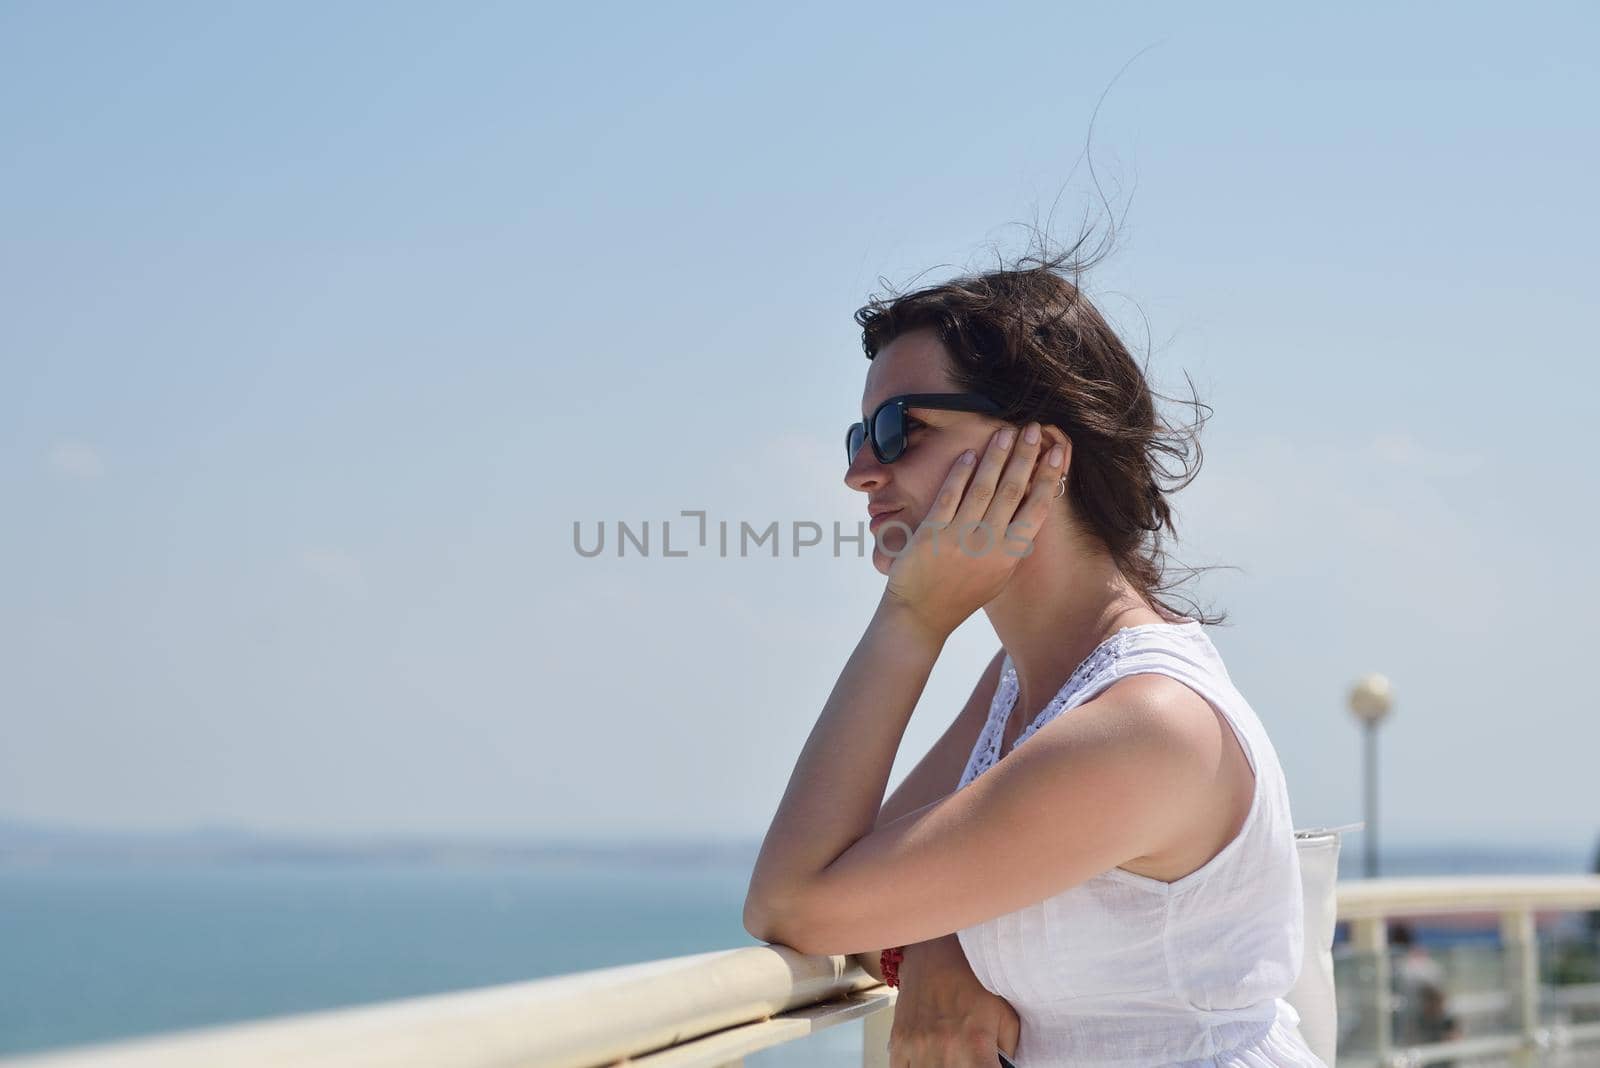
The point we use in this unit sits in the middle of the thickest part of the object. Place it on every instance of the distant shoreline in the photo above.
(34, 846)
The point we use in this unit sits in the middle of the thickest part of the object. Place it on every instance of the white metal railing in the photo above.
(714, 1009)
(1369, 906)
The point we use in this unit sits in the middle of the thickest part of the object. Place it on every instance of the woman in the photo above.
(1122, 890)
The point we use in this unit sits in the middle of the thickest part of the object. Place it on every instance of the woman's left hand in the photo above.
(980, 527)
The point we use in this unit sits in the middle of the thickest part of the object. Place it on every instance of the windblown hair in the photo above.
(1026, 336)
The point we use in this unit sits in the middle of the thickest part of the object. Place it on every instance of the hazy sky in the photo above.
(324, 323)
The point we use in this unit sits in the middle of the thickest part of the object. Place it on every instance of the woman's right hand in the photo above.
(943, 1016)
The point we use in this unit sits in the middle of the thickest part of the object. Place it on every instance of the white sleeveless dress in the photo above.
(1126, 971)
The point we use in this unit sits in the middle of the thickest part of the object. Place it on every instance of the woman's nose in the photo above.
(864, 473)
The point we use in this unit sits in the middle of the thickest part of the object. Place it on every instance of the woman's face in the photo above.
(904, 491)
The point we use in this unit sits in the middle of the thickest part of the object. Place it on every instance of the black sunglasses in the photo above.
(887, 427)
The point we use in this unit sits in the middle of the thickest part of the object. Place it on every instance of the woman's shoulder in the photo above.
(1158, 702)
(1211, 745)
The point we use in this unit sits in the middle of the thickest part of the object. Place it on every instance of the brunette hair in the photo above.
(1026, 336)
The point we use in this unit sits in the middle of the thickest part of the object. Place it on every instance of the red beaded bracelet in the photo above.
(889, 963)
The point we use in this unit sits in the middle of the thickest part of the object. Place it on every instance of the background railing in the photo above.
(1528, 995)
(1520, 992)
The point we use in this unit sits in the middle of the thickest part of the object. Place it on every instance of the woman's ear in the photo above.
(1053, 436)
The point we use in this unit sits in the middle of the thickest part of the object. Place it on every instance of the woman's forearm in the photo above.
(870, 963)
(910, 796)
(944, 950)
(836, 790)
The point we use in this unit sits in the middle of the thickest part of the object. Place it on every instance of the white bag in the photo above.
(1312, 996)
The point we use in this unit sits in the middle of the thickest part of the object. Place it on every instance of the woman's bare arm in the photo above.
(939, 770)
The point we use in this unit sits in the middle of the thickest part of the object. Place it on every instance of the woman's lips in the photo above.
(878, 519)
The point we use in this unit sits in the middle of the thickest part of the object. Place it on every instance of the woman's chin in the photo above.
(882, 560)
(889, 543)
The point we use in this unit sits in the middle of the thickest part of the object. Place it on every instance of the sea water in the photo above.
(92, 954)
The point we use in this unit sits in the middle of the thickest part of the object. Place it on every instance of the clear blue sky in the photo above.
(324, 323)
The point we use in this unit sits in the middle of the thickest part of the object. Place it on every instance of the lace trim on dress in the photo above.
(987, 752)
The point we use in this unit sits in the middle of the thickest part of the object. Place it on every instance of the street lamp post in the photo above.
(1370, 700)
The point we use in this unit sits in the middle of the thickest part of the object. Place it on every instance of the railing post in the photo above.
(1519, 940)
(875, 1038)
(1371, 936)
